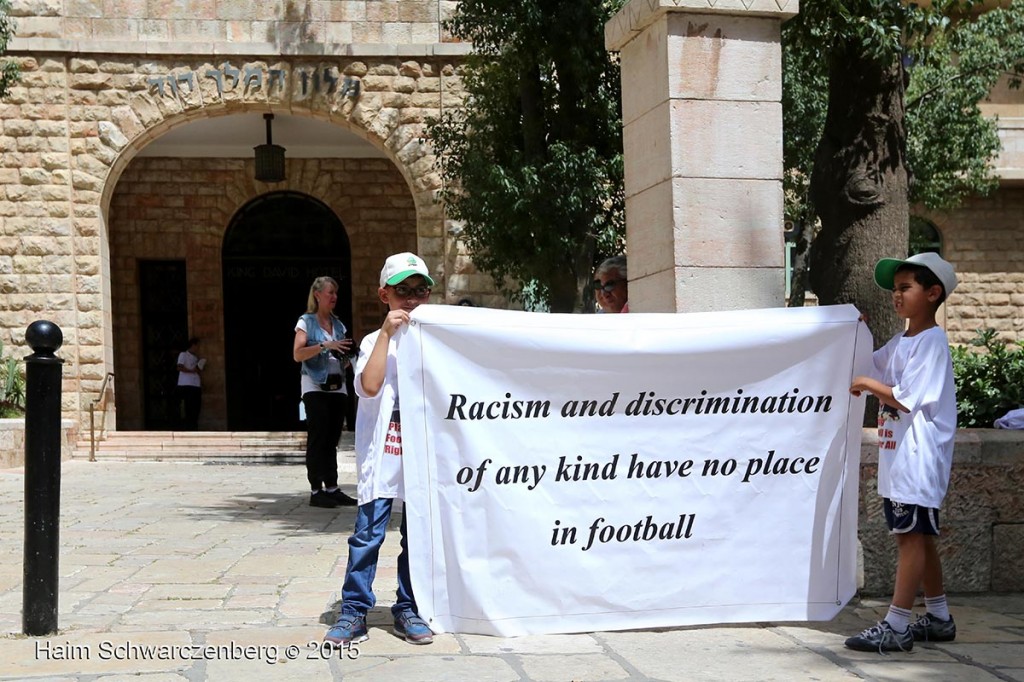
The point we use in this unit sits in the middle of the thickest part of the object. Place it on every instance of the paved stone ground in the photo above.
(232, 558)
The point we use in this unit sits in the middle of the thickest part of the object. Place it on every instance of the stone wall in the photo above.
(983, 237)
(302, 25)
(1006, 105)
(12, 441)
(45, 272)
(1011, 137)
(983, 241)
(982, 517)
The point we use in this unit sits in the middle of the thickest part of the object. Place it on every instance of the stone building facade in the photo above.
(983, 237)
(111, 241)
(983, 240)
(97, 229)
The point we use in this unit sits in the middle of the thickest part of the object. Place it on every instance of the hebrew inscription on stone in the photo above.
(319, 80)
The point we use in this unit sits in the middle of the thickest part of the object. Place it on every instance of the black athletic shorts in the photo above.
(910, 518)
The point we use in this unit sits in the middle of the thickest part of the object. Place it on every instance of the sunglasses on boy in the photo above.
(607, 287)
(405, 291)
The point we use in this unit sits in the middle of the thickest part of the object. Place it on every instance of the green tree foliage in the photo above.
(989, 381)
(951, 146)
(8, 69)
(921, 139)
(804, 98)
(533, 160)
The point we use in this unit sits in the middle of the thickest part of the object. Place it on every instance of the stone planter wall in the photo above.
(982, 518)
(12, 441)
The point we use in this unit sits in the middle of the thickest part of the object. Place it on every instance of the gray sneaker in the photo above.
(412, 628)
(350, 629)
(881, 638)
(928, 628)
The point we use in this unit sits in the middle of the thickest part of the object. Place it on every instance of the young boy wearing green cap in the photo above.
(913, 381)
(404, 284)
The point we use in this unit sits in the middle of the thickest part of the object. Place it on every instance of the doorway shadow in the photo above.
(274, 247)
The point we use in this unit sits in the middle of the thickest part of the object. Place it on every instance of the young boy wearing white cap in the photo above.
(913, 381)
(404, 284)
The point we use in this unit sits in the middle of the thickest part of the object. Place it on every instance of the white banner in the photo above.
(570, 473)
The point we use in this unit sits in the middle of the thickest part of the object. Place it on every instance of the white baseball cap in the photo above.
(885, 270)
(401, 266)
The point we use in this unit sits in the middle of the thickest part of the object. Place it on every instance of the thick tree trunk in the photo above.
(563, 293)
(531, 101)
(568, 289)
(584, 272)
(859, 187)
(801, 256)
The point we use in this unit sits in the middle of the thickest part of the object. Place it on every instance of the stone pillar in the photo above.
(702, 133)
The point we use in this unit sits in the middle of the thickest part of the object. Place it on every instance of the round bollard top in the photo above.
(44, 337)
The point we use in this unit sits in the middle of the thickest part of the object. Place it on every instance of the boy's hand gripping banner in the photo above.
(569, 473)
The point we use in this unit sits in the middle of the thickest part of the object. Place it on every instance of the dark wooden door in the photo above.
(163, 297)
(273, 250)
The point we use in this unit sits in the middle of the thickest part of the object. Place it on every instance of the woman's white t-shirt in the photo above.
(334, 365)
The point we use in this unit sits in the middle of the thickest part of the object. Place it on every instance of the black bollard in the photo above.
(42, 479)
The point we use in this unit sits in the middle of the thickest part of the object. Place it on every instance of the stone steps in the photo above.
(215, 447)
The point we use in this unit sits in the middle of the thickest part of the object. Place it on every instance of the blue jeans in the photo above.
(363, 547)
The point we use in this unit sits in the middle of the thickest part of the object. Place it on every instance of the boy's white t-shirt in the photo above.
(378, 430)
(915, 449)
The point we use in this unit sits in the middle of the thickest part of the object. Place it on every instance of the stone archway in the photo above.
(72, 132)
(148, 224)
(384, 102)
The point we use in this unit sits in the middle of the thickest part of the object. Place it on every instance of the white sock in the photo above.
(333, 490)
(898, 618)
(937, 606)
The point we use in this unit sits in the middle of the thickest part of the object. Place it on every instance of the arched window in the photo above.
(924, 237)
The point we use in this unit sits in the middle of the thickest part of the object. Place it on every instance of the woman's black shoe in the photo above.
(322, 499)
(342, 499)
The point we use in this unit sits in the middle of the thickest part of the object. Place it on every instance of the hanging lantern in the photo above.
(269, 157)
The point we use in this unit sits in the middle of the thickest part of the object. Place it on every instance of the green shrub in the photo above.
(989, 382)
(12, 388)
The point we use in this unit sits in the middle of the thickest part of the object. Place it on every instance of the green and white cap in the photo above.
(885, 270)
(401, 266)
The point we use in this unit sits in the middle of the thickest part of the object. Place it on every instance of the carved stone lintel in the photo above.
(313, 81)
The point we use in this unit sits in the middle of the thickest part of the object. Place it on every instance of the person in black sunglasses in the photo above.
(612, 286)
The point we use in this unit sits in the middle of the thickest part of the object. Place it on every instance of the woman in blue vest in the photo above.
(320, 345)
